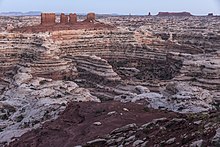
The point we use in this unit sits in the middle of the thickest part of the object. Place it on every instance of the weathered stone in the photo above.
(170, 141)
(120, 139)
(124, 129)
(197, 122)
(97, 142)
(137, 142)
(216, 138)
(97, 123)
(144, 144)
(130, 139)
(112, 113)
(196, 143)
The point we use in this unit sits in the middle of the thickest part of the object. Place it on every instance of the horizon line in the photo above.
(83, 13)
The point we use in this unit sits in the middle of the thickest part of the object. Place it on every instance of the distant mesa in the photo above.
(210, 14)
(174, 14)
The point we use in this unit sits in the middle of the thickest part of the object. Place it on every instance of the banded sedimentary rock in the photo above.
(35, 53)
(165, 62)
(96, 66)
(13, 47)
(202, 71)
(123, 51)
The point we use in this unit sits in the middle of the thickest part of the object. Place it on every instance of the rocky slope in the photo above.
(119, 124)
(29, 101)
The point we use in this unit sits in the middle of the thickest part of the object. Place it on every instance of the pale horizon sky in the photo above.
(137, 7)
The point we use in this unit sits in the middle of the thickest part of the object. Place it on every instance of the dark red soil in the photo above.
(75, 125)
(60, 27)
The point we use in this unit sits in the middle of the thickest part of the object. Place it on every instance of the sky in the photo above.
(136, 7)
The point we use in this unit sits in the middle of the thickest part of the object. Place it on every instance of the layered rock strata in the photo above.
(96, 66)
(12, 47)
(202, 71)
(169, 63)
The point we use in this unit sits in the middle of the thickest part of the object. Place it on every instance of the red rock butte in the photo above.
(90, 17)
(64, 18)
(174, 14)
(48, 18)
(67, 22)
(73, 18)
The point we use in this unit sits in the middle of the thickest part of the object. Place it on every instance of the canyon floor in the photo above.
(115, 81)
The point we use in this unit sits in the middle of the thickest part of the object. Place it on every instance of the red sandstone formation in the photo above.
(48, 18)
(73, 18)
(64, 18)
(174, 14)
(66, 23)
(90, 17)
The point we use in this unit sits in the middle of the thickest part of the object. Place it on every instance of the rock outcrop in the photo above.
(48, 18)
(90, 17)
(72, 18)
(97, 66)
(64, 19)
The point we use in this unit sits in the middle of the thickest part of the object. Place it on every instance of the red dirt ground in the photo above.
(75, 125)
(59, 27)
